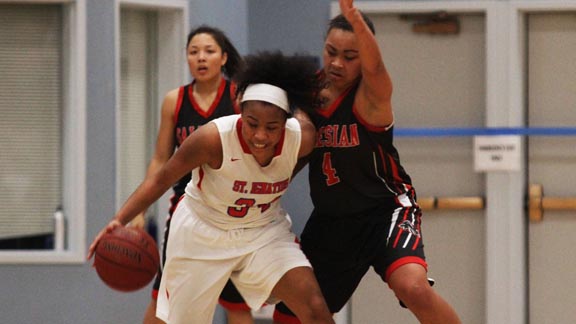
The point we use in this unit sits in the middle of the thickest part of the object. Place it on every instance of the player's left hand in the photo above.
(347, 7)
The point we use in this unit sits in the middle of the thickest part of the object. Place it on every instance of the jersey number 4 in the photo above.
(328, 170)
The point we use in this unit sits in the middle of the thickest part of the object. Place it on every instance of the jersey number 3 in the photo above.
(328, 170)
(245, 205)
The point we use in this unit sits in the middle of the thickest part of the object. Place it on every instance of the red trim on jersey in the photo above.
(246, 148)
(372, 128)
(233, 306)
(178, 104)
(282, 318)
(214, 104)
(328, 111)
(403, 261)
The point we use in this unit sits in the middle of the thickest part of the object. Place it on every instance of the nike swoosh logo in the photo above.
(234, 159)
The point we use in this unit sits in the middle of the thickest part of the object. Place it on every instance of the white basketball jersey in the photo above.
(241, 193)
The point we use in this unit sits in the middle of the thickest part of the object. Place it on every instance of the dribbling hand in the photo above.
(108, 229)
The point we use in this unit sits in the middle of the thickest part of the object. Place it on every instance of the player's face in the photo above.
(262, 127)
(205, 57)
(341, 60)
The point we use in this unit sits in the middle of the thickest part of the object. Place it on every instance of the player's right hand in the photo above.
(114, 223)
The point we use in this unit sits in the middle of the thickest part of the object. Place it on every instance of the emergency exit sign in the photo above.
(497, 153)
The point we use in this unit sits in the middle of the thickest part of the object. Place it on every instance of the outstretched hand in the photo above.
(347, 8)
(108, 229)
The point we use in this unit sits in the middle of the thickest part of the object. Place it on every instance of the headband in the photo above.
(267, 93)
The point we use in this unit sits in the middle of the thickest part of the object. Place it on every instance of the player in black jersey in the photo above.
(212, 60)
(365, 210)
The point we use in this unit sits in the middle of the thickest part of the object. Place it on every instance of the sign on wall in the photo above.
(497, 153)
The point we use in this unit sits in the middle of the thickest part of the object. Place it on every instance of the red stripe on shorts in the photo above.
(403, 261)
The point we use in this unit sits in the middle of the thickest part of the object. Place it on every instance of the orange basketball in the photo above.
(126, 259)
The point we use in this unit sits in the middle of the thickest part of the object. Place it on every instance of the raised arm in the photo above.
(373, 100)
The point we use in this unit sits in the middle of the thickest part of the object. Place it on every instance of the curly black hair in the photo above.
(296, 74)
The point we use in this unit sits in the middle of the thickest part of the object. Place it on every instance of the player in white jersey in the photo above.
(242, 193)
(229, 224)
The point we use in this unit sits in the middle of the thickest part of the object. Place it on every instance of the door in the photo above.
(551, 53)
(438, 82)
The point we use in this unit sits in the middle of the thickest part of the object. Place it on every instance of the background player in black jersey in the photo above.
(212, 60)
(365, 210)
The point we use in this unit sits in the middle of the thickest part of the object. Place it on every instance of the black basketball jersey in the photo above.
(189, 116)
(353, 165)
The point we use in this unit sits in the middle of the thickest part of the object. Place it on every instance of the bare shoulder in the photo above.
(211, 144)
(170, 102)
(208, 136)
(172, 95)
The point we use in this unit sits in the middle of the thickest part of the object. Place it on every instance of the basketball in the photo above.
(126, 259)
